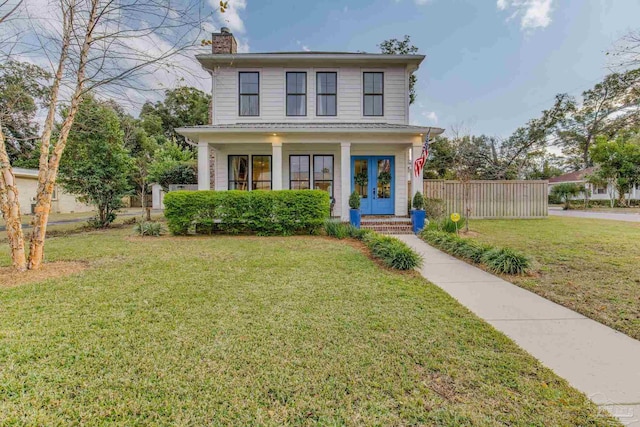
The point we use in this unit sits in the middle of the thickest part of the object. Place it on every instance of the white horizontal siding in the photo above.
(273, 95)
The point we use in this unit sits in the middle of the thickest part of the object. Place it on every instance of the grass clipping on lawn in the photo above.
(259, 331)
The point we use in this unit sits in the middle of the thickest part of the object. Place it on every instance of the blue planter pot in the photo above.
(417, 220)
(354, 217)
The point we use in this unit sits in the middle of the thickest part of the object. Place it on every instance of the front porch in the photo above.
(370, 159)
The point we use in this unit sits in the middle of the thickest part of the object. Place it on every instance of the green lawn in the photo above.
(258, 331)
(591, 266)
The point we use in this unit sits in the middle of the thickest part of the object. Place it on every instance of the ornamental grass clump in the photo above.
(506, 261)
(149, 228)
(392, 252)
(497, 260)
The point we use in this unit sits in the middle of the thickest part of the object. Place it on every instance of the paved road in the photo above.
(85, 219)
(630, 217)
(595, 359)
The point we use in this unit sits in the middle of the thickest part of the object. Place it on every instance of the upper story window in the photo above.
(296, 94)
(373, 93)
(249, 93)
(326, 91)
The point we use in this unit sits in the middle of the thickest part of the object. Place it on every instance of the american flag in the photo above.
(418, 163)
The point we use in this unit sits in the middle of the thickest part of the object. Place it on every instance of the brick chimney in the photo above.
(223, 42)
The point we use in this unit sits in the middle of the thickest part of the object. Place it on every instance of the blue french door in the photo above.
(373, 178)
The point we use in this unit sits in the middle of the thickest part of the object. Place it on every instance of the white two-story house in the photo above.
(333, 121)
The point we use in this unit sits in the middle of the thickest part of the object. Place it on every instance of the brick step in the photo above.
(389, 229)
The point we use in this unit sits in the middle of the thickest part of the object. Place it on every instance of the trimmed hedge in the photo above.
(391, 251)
(497, 260)
(282, 212)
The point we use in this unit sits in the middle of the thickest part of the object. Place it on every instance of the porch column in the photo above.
(276, 177)
(204, 170)
(345, 179)
(416, 181)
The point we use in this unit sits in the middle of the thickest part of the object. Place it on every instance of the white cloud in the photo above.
(421, 2)
(431, 116)
(303, 46)
(533, 13)
(231, 17)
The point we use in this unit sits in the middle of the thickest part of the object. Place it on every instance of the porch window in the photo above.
(296, 94)
(323, 173)
(299, 173)
(261, 172)
(249, 93)
(238, 172)
(326, 89)
(373, 93)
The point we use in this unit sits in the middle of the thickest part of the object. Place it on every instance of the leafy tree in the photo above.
(402, 47)
(566, 191)
(97, 165)
(23, 87)
(619, 161)
(173, 165)
(184, 106)
(607, 109)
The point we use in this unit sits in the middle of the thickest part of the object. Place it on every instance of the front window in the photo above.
(261, 172)
(238, 172)
(249, 93)
(323, 173)
(327, 89)
(296, 94)
(373, 94)
(299, 173)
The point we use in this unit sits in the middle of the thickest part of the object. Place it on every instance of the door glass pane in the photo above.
(361, 177)
(384, 179)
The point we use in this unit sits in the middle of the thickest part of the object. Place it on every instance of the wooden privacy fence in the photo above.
(491, 199)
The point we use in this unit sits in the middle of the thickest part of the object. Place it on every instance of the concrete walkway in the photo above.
(630, 217)
(602, 363)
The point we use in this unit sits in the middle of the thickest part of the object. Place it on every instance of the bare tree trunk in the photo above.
(10, 207)
(48, 170)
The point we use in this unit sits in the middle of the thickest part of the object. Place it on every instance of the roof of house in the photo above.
(309, 127)
(572, 176)
(211, 60)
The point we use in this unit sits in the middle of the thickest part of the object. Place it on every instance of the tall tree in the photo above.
(610, 107)
(99, 45)
(23, 87)
(184, 106)
(618, 161)
(96, 165)
(402, 47)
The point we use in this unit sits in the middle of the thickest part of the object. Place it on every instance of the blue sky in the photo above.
(491, 64)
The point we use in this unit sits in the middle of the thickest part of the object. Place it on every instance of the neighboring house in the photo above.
(296, 120)
(596, 192)
(61, 202)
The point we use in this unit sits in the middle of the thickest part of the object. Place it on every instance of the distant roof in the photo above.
(573, 176)
(25, 173)
(211, 60)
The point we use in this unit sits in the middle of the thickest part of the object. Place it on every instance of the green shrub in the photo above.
(281, 212)
(450, 227)
(435, 209)
(497, 260)
(506, 261)
(337, 229)
(148, 228)
(418, 201)
(354, 200)
(392, 252)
